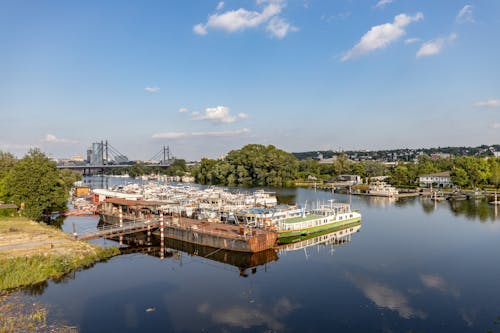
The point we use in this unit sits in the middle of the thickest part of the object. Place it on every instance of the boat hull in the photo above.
(287, 234)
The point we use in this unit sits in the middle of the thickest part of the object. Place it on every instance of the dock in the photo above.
(109, 231)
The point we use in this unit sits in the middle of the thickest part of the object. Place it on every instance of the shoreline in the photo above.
(32, 252)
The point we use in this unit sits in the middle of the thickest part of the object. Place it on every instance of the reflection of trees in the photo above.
(287, 199)
(57, 222)
(473, 209)
(35, 289)
(428, 206)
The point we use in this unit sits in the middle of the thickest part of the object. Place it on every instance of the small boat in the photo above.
(457, 196)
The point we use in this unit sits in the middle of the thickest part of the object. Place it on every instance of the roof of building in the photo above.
(8, 206)
(438, 174)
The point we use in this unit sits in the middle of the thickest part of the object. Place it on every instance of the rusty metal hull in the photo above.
(221, 236)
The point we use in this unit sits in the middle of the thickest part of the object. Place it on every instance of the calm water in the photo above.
(414, 265)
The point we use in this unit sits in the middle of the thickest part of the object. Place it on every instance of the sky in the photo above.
(205, 77)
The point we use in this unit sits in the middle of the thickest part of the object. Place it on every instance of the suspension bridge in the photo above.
(103, 156)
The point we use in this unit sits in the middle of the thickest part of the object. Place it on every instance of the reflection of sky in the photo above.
(246, 316)
(385, 296)
(439, 283)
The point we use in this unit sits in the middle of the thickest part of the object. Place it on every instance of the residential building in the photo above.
(440, 179)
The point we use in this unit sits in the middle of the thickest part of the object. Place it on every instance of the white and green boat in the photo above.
(291, 222)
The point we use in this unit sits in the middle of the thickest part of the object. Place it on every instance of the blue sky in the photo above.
(205, 77)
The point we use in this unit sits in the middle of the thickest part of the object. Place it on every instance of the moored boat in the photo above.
(293, 221)
(382, 189)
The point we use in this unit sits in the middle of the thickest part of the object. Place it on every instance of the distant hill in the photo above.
(400, 154)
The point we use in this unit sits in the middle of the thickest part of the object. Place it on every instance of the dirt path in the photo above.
(23, 246)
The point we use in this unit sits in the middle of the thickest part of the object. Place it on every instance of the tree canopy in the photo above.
(35, 184)
(252, 165)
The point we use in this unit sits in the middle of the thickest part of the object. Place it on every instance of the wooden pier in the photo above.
(117, 230)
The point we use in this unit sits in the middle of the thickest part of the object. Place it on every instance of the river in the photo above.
(414, 265)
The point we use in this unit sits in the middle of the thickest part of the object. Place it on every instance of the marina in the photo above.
(343, 268)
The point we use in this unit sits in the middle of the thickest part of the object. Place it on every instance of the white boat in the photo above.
(382, 189)
(291, 221)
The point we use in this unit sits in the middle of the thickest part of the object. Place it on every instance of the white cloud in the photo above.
(380, 36)
(279, 28)
(51, 138)
(241, 19)
(15, 146)
(465, 15)
(489, 103)
(183, 110)
(495, 125)
(435, 46)
(412, 40)
(220, 5)
(218, 115)
(382, 3)
(180, 135)
(152, 89)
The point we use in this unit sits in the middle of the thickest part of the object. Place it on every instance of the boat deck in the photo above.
(220, 229)
(299, 219)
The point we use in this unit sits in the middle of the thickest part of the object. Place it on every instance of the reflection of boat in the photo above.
(334, 234)
(338, 236)
(238, 259)
(172, 248)
(382, 189)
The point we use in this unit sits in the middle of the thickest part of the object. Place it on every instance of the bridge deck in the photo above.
(115, 230)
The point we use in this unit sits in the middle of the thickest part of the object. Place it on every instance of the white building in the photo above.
(440, 179)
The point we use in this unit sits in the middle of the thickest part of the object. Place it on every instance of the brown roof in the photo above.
(8, 206)
(439, 174)
(126, 202)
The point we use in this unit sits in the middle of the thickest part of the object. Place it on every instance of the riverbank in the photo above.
(32, 252)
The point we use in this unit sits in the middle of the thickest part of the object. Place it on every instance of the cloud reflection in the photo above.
(245, 316)
(386, 297)
(437, 282)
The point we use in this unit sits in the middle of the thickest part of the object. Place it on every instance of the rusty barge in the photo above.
(192, 229)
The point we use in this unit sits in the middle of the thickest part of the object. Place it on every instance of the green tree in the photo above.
(7, 161)
(36, 183)
(459, 177)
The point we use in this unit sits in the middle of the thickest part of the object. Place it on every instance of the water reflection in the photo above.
(473, 209)
(385, 296)
(328, 238)
(174, 249)
(246, 316)
(434, 281)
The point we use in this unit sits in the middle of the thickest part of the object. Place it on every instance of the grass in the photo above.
(32, 252)
(17, 315)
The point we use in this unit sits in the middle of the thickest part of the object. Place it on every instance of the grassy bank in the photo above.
(32, 252)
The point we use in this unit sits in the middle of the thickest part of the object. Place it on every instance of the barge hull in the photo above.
(255, 243)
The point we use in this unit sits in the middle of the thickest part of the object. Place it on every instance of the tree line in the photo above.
(259, 165)
(34, 183)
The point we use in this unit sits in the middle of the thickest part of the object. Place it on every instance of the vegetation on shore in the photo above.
(34, 183)
(31, 252)
(20, 315)
(252, 165)
(258, 165)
